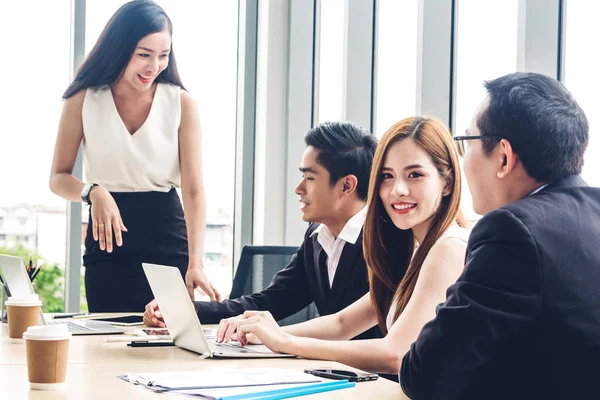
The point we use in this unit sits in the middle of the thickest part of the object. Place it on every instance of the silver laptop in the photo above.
(19, 284)
(183, 323)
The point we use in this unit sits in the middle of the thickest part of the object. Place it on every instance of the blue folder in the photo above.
(292, 392)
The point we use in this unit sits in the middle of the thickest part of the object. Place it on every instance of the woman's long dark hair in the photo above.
(117, 42)
(388, 251)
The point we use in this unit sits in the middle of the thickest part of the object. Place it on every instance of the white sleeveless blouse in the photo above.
(148, 160)
(453, 231)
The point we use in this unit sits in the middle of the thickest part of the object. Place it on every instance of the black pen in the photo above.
(150, 344)
(36, 272)
(71, 315)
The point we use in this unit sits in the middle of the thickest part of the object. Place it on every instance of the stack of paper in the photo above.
(234, 384)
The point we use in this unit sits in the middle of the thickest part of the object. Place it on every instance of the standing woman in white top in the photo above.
(141, 138)
(414, 245)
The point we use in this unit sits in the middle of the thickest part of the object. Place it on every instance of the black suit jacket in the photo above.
(523, 320)
(300, 283)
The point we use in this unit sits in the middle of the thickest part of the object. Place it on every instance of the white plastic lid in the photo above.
(24, 301)
(48, 332)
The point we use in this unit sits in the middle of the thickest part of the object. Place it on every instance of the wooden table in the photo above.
(94, 365)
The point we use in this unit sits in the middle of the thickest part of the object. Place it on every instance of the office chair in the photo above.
(257, 266)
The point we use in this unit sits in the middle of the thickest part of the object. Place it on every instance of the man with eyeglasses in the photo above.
(523, 320)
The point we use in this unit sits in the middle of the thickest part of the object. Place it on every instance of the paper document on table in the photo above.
(219, 379)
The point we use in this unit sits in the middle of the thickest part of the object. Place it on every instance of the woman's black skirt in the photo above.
(115, 282)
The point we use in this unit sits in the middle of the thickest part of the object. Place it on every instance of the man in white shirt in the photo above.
(328, 268)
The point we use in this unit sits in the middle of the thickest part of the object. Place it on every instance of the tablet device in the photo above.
(161, 333)
(128, 320)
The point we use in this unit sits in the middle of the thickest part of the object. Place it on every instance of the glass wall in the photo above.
(33, 220)
(331, 60)
(486, 49)
(581, 75)
(36, 72)
(208, 69)
(396, 66)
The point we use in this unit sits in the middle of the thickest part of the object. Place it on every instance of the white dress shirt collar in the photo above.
(333, 246)
(350, 232)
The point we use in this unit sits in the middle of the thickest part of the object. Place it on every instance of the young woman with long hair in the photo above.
(141, 138)
(414, 245)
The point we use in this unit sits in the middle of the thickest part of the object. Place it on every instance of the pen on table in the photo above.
(285, 393)
(89, 316)
(150, 344)
(71, 315)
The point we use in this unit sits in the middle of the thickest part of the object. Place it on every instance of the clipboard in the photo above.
(219, 379)
(262, 392)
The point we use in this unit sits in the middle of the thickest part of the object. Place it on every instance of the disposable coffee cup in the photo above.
(47, 353)
(22, 313)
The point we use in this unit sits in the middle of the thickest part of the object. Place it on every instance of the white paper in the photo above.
(263, 378)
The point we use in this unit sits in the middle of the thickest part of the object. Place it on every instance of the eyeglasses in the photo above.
(459, 142)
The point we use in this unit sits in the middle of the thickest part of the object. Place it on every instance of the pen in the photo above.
(150, 344)
(89, 316)
(69, 315)
(35, 272)
(292, 391)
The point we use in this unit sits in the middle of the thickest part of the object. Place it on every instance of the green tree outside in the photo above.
(49, 283)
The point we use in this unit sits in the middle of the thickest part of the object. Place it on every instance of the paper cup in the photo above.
(47, 354)
(22, 312)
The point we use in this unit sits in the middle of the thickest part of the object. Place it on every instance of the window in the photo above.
(486, 49)
(396, 66)
(205, 35)
(581, 75)
(37, 68)
(331, 60)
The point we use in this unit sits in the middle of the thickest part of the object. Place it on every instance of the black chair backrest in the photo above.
(257, 267)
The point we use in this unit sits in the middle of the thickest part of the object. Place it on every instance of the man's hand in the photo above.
(195, 277)
(153, 316)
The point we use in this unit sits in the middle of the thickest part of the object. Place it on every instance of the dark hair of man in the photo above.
(344, 149)
(542, 121)
(117, 42)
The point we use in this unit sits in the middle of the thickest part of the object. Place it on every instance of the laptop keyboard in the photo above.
(72, 326)
(231, 348)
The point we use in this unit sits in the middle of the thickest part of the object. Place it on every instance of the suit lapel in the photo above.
(345, 271)
(321, 269)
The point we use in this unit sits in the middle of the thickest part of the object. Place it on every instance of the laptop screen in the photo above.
(16, 278)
